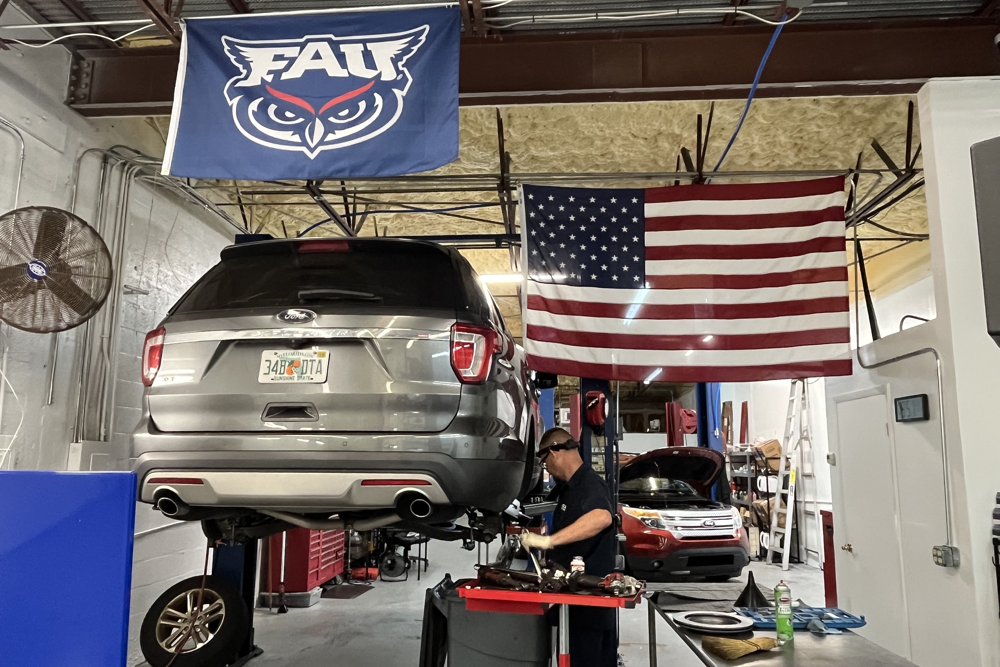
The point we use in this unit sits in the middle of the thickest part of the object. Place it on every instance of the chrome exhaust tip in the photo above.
(171, 506)
(421, 508)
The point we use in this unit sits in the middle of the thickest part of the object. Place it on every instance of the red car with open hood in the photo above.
(672, 530)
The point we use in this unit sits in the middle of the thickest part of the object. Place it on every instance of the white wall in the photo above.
(640, 443)
(170, 244)
(951, 614)
(914, 299)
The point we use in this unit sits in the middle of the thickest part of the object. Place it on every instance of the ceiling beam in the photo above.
(160, 15)
(82, 14)
(717, 62)
(239, 6)
(730, 19)
(478, 18)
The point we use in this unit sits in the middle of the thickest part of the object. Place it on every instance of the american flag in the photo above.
(695, 283)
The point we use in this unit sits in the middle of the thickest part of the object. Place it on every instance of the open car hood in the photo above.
(698, 466)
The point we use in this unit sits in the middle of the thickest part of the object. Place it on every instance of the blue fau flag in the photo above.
(316, 96)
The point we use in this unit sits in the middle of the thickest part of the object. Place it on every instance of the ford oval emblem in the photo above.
(296, 316)
(37, 269)
(708, 523)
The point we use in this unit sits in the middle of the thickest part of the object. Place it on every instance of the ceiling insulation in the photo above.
(825, 133)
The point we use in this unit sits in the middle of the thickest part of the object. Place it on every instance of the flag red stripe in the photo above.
(747, 251)
(729, 192)
(674, 223)
(666, 342)
(693, 311)
(692, 373)
(712, 281)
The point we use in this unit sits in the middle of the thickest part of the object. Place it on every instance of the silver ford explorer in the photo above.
(370, 379)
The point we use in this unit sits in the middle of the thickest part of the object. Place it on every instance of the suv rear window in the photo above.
(328, 275)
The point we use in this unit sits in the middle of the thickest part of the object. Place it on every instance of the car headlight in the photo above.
(649, 518)
(737, 520)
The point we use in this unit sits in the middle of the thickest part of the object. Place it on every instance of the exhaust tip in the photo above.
(168, 506)
(421, 508)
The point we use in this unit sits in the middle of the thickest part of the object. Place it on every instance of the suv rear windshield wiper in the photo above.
(331, 293)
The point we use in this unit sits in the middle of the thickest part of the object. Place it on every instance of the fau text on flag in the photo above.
(695, 283)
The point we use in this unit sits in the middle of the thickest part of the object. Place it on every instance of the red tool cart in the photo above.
(529, 602)
(312, 557)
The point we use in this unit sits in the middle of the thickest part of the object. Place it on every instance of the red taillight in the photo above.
(152, 354)
(176, 480)
(472, 349)
(395, 482)
(324, 246)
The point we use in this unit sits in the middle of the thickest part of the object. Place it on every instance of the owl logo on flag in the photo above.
(320, 92)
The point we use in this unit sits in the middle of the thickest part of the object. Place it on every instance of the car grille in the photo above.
(699, 524)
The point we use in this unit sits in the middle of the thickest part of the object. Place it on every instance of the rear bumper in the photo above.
(291, 491)
(728, 560)
(323, 480)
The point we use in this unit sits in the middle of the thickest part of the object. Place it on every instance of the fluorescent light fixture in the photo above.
(707, 338)
(501, 278)
(652, 376)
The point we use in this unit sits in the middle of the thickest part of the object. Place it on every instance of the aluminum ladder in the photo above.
(796, 431)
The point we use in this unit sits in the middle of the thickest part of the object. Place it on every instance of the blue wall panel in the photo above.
(65, 568)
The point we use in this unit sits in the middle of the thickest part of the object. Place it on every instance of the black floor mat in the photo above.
(346, 591)
(699, 596)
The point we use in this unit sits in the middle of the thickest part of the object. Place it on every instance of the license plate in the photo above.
(304, 366)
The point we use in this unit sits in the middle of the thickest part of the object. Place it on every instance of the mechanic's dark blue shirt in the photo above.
(584, 492)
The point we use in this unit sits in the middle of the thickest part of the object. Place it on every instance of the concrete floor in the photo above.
(382, 627)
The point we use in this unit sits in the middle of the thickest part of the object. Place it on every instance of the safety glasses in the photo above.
(562, 446)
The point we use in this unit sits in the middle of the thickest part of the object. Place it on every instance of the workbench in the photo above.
(808, 650)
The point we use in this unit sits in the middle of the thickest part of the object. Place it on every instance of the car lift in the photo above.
(238, 565)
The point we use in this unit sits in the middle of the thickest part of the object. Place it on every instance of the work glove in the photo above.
(531, 540)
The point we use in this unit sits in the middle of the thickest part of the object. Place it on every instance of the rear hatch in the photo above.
(321, 336)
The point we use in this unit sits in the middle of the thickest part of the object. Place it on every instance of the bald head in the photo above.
(554, 436)
(560, 453)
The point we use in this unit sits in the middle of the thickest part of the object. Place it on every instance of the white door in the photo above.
(869, 575)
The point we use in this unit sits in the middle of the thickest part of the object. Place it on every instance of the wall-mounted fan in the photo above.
(55, 270)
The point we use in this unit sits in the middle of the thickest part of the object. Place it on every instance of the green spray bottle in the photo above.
(783, 613)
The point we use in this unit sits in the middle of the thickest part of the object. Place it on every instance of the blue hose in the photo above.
(753, 91)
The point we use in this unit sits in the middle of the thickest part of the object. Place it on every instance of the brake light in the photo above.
(395, 482)
(152, 355)
(177, 480)
(324, 246)
(472, 349)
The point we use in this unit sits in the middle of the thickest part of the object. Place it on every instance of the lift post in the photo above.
(238, 565)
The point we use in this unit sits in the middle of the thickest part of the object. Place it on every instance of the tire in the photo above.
(719, 577)
(226, 632)
(529, 481)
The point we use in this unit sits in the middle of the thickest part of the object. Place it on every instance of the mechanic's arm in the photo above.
(588, 525)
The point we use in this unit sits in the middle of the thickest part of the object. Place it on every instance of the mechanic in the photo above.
(582, 525)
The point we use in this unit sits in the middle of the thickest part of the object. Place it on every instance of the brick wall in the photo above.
(170, 244)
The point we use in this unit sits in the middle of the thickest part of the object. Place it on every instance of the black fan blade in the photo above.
(69, 293)
(51, 230)
(15, 283)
